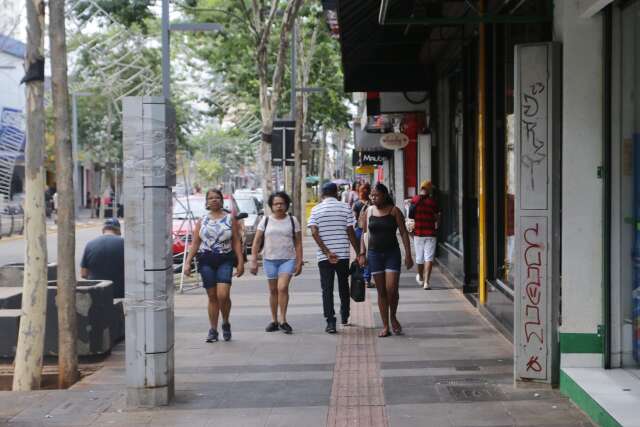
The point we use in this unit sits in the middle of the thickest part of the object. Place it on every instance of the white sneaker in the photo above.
(418, 281)
(426, 286)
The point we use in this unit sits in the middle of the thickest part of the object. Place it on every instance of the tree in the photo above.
(261, 33)
(66, 277)
(29, 351)
(208, 170)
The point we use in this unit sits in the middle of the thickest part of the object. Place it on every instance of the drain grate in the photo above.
(467, 368)
(461, 381)
(479, 393)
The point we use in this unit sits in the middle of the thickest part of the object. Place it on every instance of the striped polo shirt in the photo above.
(332, 219)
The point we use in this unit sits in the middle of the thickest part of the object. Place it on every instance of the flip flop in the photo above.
(398, 331)
(381, 334)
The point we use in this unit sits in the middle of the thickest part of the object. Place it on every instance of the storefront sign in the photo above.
(365, 170)
(537, 211)
(394, 141)
(370, 157)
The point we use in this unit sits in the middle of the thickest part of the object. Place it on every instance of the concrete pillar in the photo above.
(582, 187)
(149, 174)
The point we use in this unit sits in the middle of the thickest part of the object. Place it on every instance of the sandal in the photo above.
(397, 330)
(384, 333)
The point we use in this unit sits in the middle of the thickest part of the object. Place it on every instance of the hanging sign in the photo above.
(394, 141)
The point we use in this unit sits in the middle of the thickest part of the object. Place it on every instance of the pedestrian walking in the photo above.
(103, 257)
(354, 194)
(425, 212)
(359, 210)
(216, 238)
(281, 239)
(332, 227)
(382, 253)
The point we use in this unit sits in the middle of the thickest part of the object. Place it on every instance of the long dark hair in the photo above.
(218, 192)
(387, 199)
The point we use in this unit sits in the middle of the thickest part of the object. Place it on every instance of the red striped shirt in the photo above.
(426, 216)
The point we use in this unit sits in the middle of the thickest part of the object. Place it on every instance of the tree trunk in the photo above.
(322, 160)
(28, 360)
(66, 298)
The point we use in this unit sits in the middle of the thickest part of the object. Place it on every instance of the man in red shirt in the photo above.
(426, 214)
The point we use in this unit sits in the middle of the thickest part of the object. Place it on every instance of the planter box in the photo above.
(12, 274)
(100, 318)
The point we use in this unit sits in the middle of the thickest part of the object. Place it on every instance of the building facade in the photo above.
(471, 60)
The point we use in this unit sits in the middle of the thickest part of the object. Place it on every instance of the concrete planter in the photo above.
(12, 274)
(100, 319)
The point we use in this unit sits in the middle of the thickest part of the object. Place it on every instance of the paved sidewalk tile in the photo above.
(450, 368)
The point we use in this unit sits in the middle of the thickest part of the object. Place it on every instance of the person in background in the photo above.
(353, 194)
(359, 209)
(216, 237)
(426, 214)
(332, 227)
(282, 256)
(103, 257)
(382, 253)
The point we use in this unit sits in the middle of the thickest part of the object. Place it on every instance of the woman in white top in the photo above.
(282, 256)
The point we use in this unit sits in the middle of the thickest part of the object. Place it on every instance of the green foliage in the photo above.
(230, 147)
(126, 12)
(208, 170)
(231, 56)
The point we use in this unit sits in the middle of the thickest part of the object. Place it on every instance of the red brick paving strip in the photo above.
(357, 398)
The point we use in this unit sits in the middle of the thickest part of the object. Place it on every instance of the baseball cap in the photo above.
(111, 223)
(426, 185)
(329, 188)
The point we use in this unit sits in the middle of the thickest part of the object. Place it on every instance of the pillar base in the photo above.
(150, 397)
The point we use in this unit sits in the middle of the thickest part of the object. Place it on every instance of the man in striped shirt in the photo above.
(332, 227)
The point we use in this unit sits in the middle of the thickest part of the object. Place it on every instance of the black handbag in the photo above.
(357, 286)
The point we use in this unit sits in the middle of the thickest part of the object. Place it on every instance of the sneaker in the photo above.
(345, 320)
(212, 336)
(286, 328)
(226, 331)
(426, 286)
(331, 327)
(271, 327)
(418, 281)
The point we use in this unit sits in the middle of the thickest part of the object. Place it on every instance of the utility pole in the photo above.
(68, 372)
(28, 361)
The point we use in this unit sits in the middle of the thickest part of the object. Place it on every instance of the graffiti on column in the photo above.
(533, 128)
(533, 304)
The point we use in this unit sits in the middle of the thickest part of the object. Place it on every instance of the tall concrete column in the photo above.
(149, 174)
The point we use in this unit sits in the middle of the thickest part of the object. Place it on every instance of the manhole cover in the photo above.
(480, 393)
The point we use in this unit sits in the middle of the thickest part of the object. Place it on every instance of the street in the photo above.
(12, 249)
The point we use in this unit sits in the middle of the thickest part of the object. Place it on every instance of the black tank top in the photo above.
(383, 233)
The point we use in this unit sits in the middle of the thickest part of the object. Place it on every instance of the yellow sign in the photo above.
(365, 170)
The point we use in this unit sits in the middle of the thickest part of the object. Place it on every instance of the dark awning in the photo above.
(392, 45)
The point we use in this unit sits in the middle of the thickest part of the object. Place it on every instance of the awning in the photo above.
(393, 45)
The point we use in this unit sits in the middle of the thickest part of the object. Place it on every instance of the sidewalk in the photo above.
(450, 369)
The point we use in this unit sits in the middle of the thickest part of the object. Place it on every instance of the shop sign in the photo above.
(394, 141)
(369, 157)
(537, 211)
(365, 170)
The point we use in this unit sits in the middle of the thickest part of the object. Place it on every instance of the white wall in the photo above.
(582, 155)
(11, 91)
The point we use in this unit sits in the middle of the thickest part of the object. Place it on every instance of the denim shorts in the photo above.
(381, 261)
(275, 267)
(215, 268)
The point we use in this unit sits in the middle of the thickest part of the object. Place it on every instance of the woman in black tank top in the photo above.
(379, 248)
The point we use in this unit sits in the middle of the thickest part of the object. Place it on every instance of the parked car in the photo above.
(245, 192)
(186, 211)
(253, 208)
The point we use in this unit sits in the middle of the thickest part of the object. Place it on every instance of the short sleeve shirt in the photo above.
(426, 216)
(216, 234)
(279, 237)
(104, 258)
(332, 219)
